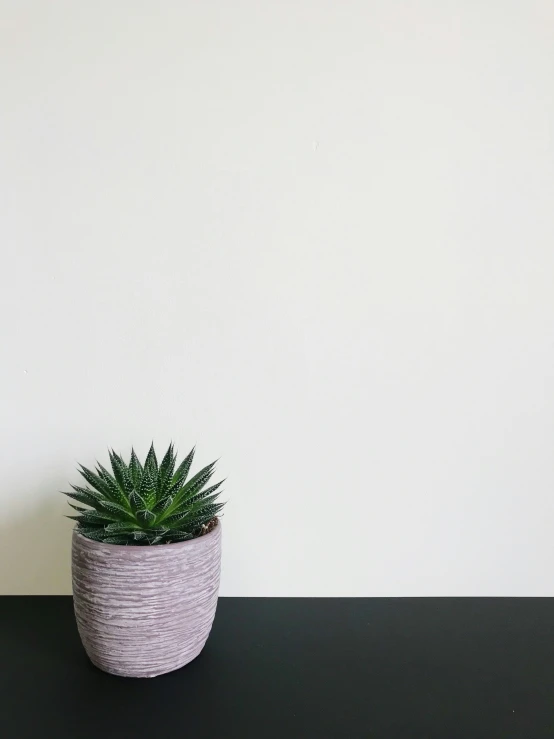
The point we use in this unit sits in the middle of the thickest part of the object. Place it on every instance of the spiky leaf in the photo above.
(151, 461)
(88, 491)
(203, 516)
(116, 494)
(115, 508)
(135, 469)
(116, 540)
(187, 521)
(148, 488)
(94, 534)
(192, 509)
(145, 516)
(95, 517)
(122, 526)
(84, 497)
(163, 505)
(166, 472)
(180, 474)
(95, 481)
(121, 474)
(193, 486)
(78, 508)
(205, 493)
(181, 536)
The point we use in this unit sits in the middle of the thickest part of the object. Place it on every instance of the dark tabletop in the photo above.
(383, 668)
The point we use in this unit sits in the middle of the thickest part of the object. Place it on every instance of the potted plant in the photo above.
(145, 563)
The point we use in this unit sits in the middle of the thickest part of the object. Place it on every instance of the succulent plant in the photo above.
(143, 504)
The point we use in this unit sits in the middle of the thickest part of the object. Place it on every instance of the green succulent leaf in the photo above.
(205, 493)
(151, 461)
(135, 468)
(84, 497)
(121, 474)
(163, 505)
(204, 516)
(181, 536)
(193, 486)
(88, 491)
(95, 481)
(180, 474)
(115, 508)
(105, 475)
(77, 508)
(166, 472)
(94, 534)
(193, 509)
(145, 516)
(116, 540)
(148, 488)
(188, 521)
(122, 526)
(96, 517)
(116, 494)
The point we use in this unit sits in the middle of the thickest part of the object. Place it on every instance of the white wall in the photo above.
(316, 238)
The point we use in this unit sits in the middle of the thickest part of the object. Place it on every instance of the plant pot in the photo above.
(145, 610)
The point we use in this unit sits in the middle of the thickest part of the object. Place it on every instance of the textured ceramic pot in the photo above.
(142, 611)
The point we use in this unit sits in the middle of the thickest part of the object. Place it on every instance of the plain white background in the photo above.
(316, 238)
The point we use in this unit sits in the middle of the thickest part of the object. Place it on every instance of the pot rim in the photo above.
(152, 547)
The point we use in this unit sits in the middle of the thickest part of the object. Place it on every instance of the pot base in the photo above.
(122, 672)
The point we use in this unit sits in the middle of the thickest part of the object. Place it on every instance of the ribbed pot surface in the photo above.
(145, 610)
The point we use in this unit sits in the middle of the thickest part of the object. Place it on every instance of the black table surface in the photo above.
(406, 668)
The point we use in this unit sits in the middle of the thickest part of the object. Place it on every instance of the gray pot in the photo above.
(142, 611)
